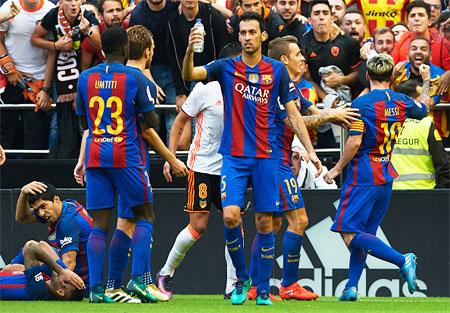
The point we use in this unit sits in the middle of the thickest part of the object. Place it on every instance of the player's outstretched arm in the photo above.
(176, 133)
(341, 116)
(298, 126)
(79, 171)
(190, 72)
(351, 148)
(153, 139)
(24, 213)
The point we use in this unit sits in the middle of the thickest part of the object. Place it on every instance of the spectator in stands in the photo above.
(69, 26)
(399, 29)
(353, 25)
(322, 51)
(444, 25)
(380, 13)
(24, 66)
(274, 23)
(179, 28)
(111, 14)
(421, 53)
(419, 156)
(287, 9)
(419, 23)
(435, 9)
(338, 8)
(383, 42)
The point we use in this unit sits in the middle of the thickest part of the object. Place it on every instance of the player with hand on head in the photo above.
(367, 188)
(45, 277)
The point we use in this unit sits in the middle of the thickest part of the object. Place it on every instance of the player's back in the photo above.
(382, 115)
(111, 96)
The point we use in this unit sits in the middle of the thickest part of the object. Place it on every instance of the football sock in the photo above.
(142, 239)
(235, 246)
(292, 243)
(118, 258)
(96, 250)
(266, 251)
(147, 275)
(184, 241)
(357, 263)
(18, 259)
(374, 246)
(231, 273)
(254, 262)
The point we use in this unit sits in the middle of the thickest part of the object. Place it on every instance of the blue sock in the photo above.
(147, 276)
(118, 258)
(357, 262)
(18, 259)
(266, 252)
(254, 262)
(235, 246)
(292, 243)
(374, 246)
(142, 239)
(96, 250)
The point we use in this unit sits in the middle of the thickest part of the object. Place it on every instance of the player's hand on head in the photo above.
(443, 83)
(166, 172)
(79, 173)
(424, 70)
(317, 163)
(67, 277)
(34, 188)
(179, 169)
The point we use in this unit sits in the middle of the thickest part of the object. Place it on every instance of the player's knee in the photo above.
(348, 237)
(303, 222)
(200, 229)
(231, 219)
(29, 244)
(264, 223)
(144, 212)
(277, 222)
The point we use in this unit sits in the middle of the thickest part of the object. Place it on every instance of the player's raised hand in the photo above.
(331, 175)
(196, 36)
(166, 172)
(178, 167)
(33, 188)
(67, 277)
(345, 116)
(79, 173)
(315, 160)
(424, 70)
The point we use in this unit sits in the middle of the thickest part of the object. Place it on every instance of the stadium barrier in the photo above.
(417, 221)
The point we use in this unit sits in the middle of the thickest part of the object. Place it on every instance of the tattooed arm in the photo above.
(341, 115)
(425, 95)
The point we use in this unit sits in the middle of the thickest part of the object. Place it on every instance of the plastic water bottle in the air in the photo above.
(198, 47)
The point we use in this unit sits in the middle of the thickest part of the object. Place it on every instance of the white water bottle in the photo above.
(198, 47)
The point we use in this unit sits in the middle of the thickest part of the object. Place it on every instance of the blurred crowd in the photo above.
(44, 45)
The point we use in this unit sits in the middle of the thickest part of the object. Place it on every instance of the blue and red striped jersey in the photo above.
(382, 115)
(111, 96)
(27, 285)
(284, 133)
(250, 95)
(71, 233)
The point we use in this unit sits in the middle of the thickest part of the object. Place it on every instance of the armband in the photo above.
(7, 65)
(61, 263)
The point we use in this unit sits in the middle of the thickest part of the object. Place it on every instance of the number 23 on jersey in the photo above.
(98, 103)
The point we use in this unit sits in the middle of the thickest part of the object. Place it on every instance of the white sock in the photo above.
(181, 246)
(231, 273)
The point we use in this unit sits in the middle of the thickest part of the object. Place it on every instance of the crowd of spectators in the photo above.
(45, 44)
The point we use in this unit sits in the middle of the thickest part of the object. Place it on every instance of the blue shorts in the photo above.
(362, 208)
(131, 183)
(290, 194)
(262, 173)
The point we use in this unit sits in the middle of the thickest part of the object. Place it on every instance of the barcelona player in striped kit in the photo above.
(367, 188)
(251, 86)
(45, 277)
(110, 98)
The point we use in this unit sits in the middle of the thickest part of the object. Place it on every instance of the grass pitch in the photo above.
(216, 304)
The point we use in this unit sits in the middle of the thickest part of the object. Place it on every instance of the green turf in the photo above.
(216, 304)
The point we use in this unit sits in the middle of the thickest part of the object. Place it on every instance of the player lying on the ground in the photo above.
(69, 224)
(45, 277)
(367, 189)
